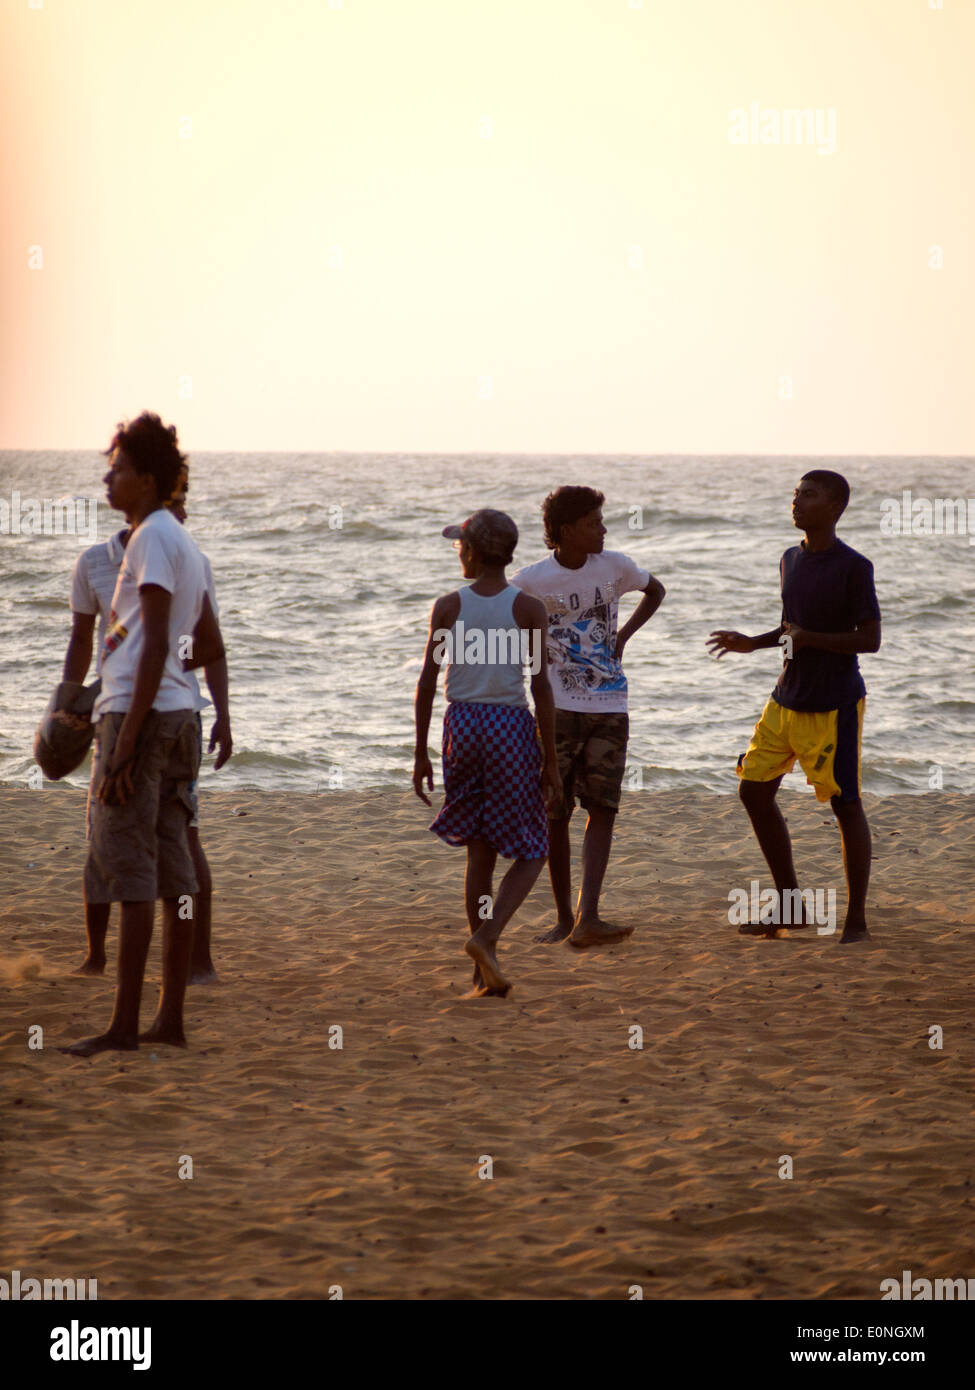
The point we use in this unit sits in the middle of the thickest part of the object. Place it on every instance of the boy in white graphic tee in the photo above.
(581, 585)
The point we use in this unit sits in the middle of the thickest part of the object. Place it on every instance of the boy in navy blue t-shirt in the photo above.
(829, 614)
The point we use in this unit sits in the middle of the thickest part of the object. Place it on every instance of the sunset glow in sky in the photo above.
(489, 225)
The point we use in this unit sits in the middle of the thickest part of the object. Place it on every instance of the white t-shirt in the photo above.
(200, 701)
(93, 585)
(582, 608)
(93, 588)
(159, 552)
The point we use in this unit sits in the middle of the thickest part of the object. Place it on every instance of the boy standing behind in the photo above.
(581, 585)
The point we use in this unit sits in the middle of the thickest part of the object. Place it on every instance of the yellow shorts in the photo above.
(827, 745)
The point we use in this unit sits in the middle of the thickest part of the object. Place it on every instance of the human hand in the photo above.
(422, 772)
(220, 738)
(551, 786)
(117, 785)
(71, 721)
(723, 641)
(793, 639)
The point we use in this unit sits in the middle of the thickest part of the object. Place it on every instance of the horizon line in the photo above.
(503, 453)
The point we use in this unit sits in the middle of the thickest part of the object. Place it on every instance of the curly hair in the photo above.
(564, 506)
(151, 447)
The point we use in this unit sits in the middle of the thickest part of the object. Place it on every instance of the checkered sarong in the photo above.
(491, 768)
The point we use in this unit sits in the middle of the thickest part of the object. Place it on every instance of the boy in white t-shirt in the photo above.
(581, 585)
(145, 744)
(93, 585)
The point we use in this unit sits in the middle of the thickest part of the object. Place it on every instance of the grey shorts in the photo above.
(139, 852)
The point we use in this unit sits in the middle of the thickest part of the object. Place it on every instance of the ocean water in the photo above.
(326, 567)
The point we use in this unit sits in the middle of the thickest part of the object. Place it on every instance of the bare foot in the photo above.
(488, 961)
(483, 992)
(859, 933)
(158, 1034)
(557, 933)
(771, 930)
(478, 983)
(90, 966)
(106, 1042)
(203, 975)
(597, 933)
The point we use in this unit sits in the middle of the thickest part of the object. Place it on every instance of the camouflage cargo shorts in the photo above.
(591, 751)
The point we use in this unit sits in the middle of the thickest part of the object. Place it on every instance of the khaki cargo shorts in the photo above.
(139, 852)
(591, 750)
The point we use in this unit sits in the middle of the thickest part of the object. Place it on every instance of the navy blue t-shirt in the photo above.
(824, 591)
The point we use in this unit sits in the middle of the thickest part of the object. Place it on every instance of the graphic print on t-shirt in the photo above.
(115, 635)
(581, 642)
(582, 605)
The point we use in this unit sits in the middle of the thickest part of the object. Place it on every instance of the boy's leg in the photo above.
(772, 833)
(96, 914)
(569, 743)
(560, 874)
(596, 848)
(769, 757)
(96, 929)
(478, 885)
(135, 933)
(167, 1026)
(513, 816)
(177, 883)
(515, 887)
(856, 862)
(604, 763)
(201, 965)
(849, 812)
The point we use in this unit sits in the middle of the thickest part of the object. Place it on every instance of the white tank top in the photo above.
(487, 651)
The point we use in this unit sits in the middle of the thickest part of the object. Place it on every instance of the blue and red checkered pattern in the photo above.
(491, 769)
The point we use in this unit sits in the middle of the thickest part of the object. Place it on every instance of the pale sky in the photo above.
(488, 225)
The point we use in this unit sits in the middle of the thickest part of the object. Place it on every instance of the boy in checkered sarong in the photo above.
(494, 771)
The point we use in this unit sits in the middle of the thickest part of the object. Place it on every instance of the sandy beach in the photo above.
(316, 1166)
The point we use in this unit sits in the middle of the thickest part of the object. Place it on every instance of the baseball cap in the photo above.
(493, 534)
(65, 733)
